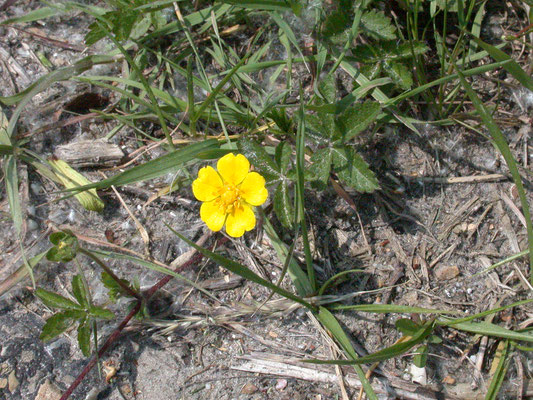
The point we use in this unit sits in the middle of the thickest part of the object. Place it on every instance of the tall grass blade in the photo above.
(503, 147)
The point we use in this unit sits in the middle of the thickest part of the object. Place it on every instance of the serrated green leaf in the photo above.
(59, 323)
(323, 124)
(55, 300)
(399, 74)
(79, 292)
(260, 160)
(328, 88)
(335, 23)
(100, 312)
(283, 205)
(321, 166)
(353, 170)
(84, 337)
(283, 157)
(375, 24)
(357, 118)
(421, 356)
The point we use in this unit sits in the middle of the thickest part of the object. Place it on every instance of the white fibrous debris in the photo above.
(72, 215)
(418, 375)
(524, 98)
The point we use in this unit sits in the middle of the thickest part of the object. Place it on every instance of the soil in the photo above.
(421, 241)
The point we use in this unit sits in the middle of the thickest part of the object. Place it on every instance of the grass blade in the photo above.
(503, 147)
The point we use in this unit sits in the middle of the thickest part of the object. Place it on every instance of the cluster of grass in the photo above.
(395, 55)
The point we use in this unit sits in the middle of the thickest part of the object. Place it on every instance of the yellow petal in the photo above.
(213, 215)
(253, 189)
(240, 220)
(233, 169)
(206, 187)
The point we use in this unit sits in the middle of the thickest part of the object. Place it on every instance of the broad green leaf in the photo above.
(357, 118)
(399, 74)
(59, 323)
(321, 166)
(241, 270)
(283, 157)
(328, 89)
(283, 204)
(102, 313)
(70, 178)
(407, 326)
(55, 300)
(335, 23)
(375, 24)
(115, 291)
(353, 170)
(260, 160)
(79, 292)
(323, 124)
(84, 337)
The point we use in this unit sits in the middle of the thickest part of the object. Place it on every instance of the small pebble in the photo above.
(448, 380)
(12, 382)
(446, 272)
(249, 388)
(36, 188)
(281, 384)
(32, 225)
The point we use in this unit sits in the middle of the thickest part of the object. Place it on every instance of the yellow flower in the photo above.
(229, 194)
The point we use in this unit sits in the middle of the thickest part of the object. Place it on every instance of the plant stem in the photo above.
(119, 281)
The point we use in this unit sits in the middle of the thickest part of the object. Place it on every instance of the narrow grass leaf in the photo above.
(488, 329)
(503, 147)
(328, 320)
(499, 374)
(512, 66)
(390, 308)
(395, 350)
(21, 273)
(12, 190)
(241, 270)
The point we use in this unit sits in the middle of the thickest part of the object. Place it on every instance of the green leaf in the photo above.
(260, 160)
(79, 292)
(66, 246)
(84, 337)
(488, 329)
(395, 350)
(329, 321)
(55, 300)
(421, 356)
(100, 312)
(357, 118)
(328, 88)
(399, 74)
(407, 326)
(335, 23)
(321, 166)
(283, 205)
(241, 270)
(501, 370)
(12, 190)
(512, 66)
(59, 323)
(283, 157)
(375, 24)
(353, 170)
(114, 289)
(36, 15)
(323, 124)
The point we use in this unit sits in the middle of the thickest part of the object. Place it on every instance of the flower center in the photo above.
(230, 198)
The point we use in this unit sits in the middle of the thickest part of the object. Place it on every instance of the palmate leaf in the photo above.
(377, 25)
(399, 74)
(55, 300)
(59, 323)
(79, 292)
(321, 166)
(283, 205)
(353, 170)
(357, 118)
(260, 159)
(84, 337)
